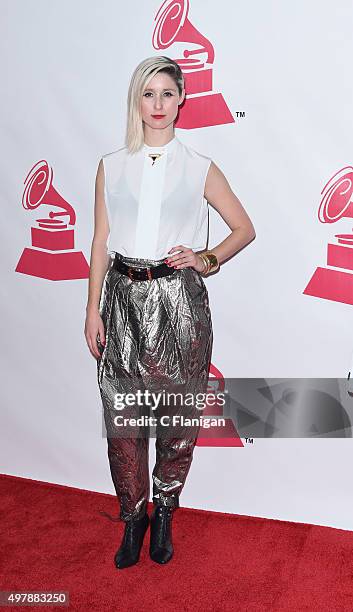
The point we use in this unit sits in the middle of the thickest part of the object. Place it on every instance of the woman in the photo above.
(148, 320)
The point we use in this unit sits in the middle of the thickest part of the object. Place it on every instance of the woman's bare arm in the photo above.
(99, 264)
(100, 259)
(220, 195)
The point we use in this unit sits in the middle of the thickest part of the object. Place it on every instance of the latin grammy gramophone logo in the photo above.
(335, 281)
(221, 435)
(203, 107)
(52, 254)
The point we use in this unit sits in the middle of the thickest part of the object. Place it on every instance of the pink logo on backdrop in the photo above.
(219, 435)
(335, 280)
(202, 106)
(52, 253)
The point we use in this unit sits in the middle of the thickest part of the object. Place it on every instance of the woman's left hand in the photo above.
(186, 259)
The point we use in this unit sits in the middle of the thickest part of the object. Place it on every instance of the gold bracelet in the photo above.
(206, 265)
(211, 260)
(214, 263)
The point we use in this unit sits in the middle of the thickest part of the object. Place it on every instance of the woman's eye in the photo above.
(148, 93)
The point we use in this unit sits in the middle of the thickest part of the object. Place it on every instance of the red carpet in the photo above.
(54, 538)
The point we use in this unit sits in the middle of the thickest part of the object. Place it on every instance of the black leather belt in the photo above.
(137, 273)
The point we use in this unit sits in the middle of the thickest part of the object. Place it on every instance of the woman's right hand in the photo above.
(94, 327)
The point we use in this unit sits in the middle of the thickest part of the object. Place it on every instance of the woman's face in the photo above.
(160, 100)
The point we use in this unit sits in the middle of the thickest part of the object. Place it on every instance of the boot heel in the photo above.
(161, 545)
(129, 552)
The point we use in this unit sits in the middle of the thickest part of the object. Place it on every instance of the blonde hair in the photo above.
(141, 76)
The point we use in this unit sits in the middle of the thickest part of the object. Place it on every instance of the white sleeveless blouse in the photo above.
(153, 206)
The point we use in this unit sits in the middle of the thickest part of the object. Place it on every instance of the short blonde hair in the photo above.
(141, 76)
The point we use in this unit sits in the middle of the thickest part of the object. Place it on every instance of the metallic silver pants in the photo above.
(158, 337)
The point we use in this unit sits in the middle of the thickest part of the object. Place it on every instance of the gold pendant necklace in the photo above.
(154, 156)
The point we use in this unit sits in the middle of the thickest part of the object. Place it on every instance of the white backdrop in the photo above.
(66, 68)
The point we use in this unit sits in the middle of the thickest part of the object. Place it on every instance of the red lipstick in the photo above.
(158, 116)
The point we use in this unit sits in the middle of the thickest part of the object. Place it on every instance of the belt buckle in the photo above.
(131, 270)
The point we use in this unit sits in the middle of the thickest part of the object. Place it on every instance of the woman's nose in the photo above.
(158, 103)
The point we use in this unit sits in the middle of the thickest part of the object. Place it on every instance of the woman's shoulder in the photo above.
(116, 153)
(195, 153)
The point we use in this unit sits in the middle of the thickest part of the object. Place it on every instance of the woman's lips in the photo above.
(158, 116)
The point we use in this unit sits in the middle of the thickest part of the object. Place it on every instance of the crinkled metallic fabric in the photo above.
(158, 337)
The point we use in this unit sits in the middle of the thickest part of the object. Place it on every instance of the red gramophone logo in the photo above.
(219, 435)
(52, 254)
(335, 282)
(203, 107)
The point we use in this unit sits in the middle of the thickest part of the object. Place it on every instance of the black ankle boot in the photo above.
(129, 551)
(161, 545)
